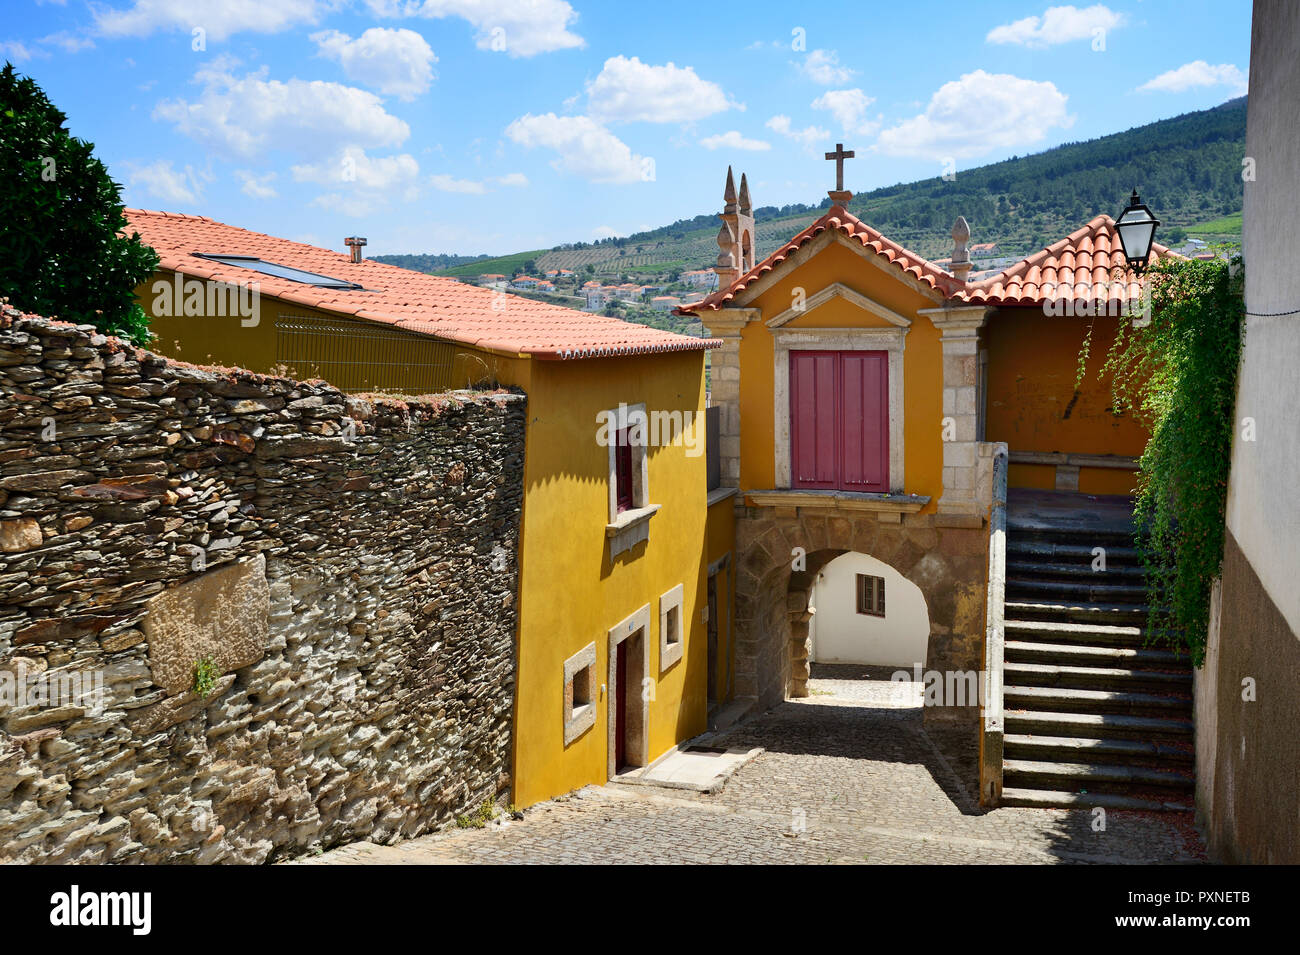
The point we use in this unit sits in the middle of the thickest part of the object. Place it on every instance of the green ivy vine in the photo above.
(1175, 368)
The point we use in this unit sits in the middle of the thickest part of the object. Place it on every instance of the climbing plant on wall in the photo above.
(1175, 367)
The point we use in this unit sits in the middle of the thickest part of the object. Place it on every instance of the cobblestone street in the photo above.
(848, 775)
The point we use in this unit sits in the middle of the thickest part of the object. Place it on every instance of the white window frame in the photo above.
(670, 651)
(628, 528)
(579, 719)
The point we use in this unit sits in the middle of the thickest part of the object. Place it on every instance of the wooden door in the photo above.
(620, 707)
(713, 638)
(839, 420)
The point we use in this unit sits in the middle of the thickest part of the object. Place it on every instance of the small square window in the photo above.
(871, 595)
(579, 693)
(671, 637)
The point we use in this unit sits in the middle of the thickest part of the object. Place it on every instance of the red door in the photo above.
(864, 421)
(839, 420)
(813, 419)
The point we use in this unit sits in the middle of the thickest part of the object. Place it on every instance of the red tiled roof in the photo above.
(1081, 267)
(837, 217)
(427, 304)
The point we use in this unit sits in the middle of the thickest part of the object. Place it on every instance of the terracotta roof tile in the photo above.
(1087, 265)
(427, 304)
(839, 218)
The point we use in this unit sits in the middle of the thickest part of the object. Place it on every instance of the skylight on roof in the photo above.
(280, 271)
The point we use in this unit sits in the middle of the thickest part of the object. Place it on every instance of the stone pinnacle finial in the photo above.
(729, 193)
(746, 207)
(961, 264)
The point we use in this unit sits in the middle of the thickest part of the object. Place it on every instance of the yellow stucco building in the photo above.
(618, 566)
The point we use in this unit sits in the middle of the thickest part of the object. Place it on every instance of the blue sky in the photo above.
(495, 126)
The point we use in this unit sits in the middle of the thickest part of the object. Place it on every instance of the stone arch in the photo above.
(948, 565)
(746, 251)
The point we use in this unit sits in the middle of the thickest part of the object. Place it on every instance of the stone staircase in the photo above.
(1093, 717)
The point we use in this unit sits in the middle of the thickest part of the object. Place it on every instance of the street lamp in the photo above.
(1136, 227)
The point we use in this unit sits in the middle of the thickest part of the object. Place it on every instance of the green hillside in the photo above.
(1187, 168)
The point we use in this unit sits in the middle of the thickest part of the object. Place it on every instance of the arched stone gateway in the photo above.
(948, 564)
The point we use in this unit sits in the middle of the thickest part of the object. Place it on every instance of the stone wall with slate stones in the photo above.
(244, 617)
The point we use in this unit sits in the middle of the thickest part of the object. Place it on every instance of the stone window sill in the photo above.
(630, 528)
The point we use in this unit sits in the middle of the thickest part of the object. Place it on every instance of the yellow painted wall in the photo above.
(721, 542)
(378, 359)
(572, 593)
(1033, 405)
(922, 365)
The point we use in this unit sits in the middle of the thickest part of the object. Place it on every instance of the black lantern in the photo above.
(1136, 227)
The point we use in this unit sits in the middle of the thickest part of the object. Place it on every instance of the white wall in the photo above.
(1261, 492)
(842, 635)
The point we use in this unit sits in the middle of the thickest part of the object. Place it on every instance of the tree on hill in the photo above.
(65, 254)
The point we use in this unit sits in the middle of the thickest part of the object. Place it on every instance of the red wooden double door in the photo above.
(839, 420)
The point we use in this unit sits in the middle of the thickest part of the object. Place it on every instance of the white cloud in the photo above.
(603, 232)
(354, 206)
(1197, 73)
(160, 179)
(513, 179)
(68, 42)
(395, 62)
(259, 187)
(823, 66)
(586, 148)
(218, 18)
(849, 107)
(1058, 25)
(515, 27)
(733, 140)
(444, 183)
(351, 166)
(245, 115)
(16, 51)
(808, 137)
(630, 91)
(1012, 112)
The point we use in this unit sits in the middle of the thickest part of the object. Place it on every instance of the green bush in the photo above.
(1178, 372)
(61, 219)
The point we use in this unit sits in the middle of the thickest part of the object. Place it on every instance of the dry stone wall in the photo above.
(244, 617)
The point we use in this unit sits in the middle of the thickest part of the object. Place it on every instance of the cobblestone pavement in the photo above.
(849, 775)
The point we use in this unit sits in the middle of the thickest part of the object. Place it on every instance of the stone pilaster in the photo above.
(724, 388)
(959, 329)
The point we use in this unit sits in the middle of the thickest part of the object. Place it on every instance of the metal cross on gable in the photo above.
(839, 156)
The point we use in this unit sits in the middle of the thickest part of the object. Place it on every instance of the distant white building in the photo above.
(701, 278)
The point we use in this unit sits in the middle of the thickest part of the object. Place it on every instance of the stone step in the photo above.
(1052, 550)
(1049, 799)
(1064, 631)
(1059, 699)
(1083, 655)
(1028, 528)
(1097, 725)
(1088, 591)
(1030, 568)
(1070, 654)
(1021, 673)
(1045, 774)
(1081, 749)
(1076, 611)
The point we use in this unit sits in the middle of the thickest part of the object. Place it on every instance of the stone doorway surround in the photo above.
(948, 563)
(891, 339)
(635, 628)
